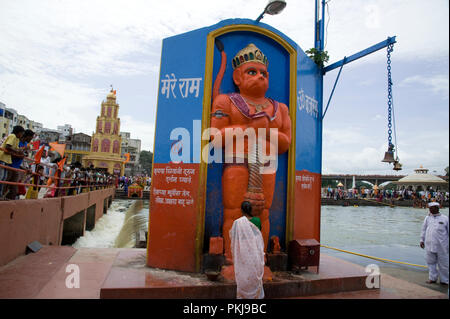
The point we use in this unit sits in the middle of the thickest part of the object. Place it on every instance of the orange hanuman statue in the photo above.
(248, 109)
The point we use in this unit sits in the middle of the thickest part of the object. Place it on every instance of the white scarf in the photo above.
(247, 247)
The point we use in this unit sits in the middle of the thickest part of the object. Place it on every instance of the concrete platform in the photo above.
(27, 275)
(129, 278)
(121, 273)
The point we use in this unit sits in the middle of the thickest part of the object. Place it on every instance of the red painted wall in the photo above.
(27, 220)
(307, 205)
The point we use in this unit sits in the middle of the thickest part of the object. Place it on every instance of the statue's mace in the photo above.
(255, 193)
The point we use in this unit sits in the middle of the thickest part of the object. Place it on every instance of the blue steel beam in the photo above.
(334, 86)
(316, 26)
(360, 54)
(322, 27)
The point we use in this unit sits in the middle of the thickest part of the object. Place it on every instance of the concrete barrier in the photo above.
(73, 228)
(48, 220)
(99, 199)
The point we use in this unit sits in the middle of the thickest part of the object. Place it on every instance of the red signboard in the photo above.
(307, 205)
(173, 216)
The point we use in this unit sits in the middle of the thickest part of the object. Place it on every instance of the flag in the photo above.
(61, 164)
(37, 157)
(127, 155)
(60, 148)
(36, 144)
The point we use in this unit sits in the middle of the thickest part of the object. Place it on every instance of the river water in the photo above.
(391, 232)
(384, 232)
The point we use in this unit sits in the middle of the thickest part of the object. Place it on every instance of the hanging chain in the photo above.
(390, 48)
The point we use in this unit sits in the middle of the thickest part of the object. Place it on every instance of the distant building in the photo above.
(4, 121)
(23, 121)
(36, 127)
(13, 117)
(421, 180)
(106, 141)
(78, 146)
(64, 132)
(10, 118)
(133, 147)
(47, 135)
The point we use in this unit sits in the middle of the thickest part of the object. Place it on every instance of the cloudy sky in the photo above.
(58, 59)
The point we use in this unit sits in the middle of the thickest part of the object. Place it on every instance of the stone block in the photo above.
(277, 262)
(216, 246)
(212, 262)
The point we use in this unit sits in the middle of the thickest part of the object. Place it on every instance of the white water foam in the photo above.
(136, 219)
(106, 228)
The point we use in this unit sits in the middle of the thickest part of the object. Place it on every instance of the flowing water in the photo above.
(116, 228)
(136, 219)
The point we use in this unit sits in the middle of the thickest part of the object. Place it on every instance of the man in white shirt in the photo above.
(434, 238)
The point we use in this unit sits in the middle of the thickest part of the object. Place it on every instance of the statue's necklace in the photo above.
(259, 107)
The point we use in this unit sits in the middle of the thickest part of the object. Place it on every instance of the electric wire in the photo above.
(326, 27)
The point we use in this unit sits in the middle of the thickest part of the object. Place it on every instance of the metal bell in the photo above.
(388, 157)
(397, 166)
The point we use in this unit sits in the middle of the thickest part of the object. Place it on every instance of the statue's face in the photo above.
(252, 79)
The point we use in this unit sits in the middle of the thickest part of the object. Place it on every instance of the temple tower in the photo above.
(106, 141)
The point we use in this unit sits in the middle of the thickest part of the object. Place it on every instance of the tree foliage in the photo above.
(319, 57)
(146, 160)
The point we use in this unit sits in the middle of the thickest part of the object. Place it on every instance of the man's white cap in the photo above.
(433, 204)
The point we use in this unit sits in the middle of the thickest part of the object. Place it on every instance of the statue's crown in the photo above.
(249, 54)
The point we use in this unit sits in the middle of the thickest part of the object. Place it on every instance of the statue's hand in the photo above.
(257, 200)
(272, 134)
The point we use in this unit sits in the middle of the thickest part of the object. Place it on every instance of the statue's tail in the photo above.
(223, 65)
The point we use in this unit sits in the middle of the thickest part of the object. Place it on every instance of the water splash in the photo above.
(136, 219)
(108, 226)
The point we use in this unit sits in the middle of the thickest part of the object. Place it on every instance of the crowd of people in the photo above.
(30, 173)
(420, 197)
(142, 180)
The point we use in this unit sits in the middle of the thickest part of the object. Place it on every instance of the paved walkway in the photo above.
(44, 275)
(391, 288)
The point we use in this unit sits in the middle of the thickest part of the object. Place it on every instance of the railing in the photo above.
(56, 185)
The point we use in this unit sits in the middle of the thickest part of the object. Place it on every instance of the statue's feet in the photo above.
(228, 273)
(268, 276)
(228, 259)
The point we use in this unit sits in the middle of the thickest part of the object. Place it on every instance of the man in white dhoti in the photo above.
(247, 249)
(434, 238)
